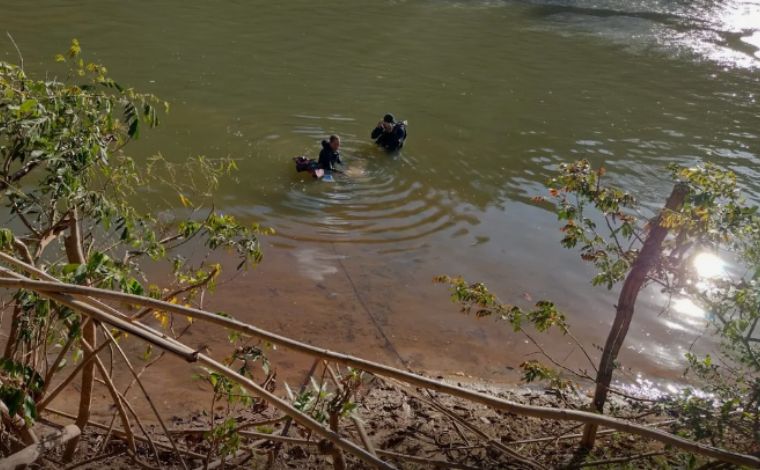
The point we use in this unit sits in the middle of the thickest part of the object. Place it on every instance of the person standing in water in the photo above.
(389, 134)
(330, 155)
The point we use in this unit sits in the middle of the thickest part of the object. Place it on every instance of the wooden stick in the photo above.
(252, 386)
(183, 351)
(42, 404)
(219, 463)
(118, 432)
(140, 426)
(363, 435)
(553, 438)
(32, 453)
(394, 455)
(491, 441)
(277, 438)
(596, 463)
(357, 422)
(115, 397)
(57, 362)
(238, 429)
(425, 461)
(98, 304)
(91, 460)
(288, 422)
(145, 393)
(28, 436)
(543, 412)
(74, 254)
(299, 417)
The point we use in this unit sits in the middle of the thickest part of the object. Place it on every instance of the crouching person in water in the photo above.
(389, 134)
(330, 156)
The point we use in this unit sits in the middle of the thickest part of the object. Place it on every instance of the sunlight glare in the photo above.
(708, 265)
(688, 307)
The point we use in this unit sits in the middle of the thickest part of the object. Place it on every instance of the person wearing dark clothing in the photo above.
(330, 156)
(389, 134)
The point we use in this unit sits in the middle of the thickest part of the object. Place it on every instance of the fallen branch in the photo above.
(493, 443)
(384, 453)
(32, 453)
(120, 434)
(115, 397)
(91, 460)
(299, 417)
(277, 438)
(289, 420)
(145, 393)
(357, 422)
(596, 463)
(425, 461)
(386, 371)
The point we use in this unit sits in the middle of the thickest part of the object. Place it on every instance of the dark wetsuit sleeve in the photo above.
(376, 132)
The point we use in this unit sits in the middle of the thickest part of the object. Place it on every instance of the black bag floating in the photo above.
(309, 165)
(305, 164)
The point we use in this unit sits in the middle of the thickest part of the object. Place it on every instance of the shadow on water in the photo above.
(670, 19)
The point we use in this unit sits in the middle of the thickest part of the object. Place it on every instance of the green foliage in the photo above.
(535, 371)
(321, 402)
(224, 437)
(605, 224)
(579, 188)
(63, 132)
(63, 167)
(19, 386)
(476, 298)
(724, 408)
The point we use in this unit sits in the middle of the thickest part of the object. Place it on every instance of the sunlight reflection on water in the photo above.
(687, 307)
(645, 388)
(709, 266)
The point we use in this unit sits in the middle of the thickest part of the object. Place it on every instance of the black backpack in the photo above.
(305, 164)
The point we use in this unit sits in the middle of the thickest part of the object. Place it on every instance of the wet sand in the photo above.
(384, 306)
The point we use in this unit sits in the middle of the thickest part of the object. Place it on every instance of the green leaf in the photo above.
(28, 106)
(6, 239)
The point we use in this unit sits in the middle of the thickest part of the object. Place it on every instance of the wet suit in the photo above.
(390, 141)
(328, 158)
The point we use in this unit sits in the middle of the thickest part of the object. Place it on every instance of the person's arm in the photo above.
(324, 160)
(377, 132)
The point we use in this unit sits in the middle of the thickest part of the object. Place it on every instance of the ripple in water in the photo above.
(375, 201)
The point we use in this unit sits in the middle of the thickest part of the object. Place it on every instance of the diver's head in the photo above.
(388, 122)
(334, 142)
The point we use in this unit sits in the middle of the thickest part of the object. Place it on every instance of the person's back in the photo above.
(389, 134)
(329, 156)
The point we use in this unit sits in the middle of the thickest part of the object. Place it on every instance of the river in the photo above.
(496, 93)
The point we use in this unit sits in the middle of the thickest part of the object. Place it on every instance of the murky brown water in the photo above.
(496, 93)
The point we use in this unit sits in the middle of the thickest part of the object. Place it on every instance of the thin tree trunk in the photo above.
(635, 280)
(339, 462)
(74, 253)
(10, 345)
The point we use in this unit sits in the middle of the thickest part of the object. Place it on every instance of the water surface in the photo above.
(497, 94)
